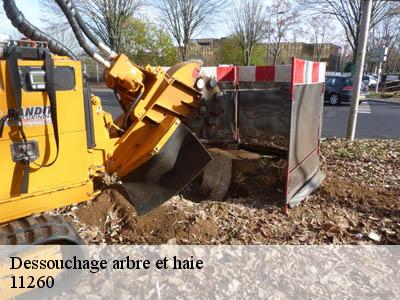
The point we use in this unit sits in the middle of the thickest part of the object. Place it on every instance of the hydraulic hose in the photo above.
(32, 32)
(132, 106)
(99, 44)
(111, 53)
(78, 33)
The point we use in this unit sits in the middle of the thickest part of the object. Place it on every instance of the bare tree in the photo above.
(250, 26)
(185, 18)
(65, 36)
(109, 18)
(386, 34)
(283, 19)
(321, 31)
(348, 13)
(393, 62)
(106, 18)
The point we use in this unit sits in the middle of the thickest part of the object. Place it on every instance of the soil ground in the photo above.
(358, 203)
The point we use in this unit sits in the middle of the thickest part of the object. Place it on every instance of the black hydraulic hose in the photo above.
(75, 28)
(99, 44)
(78, 33)
(32, 32)
(131, 107)
(93, 39)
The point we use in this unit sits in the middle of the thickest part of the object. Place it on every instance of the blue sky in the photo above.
(31, 10)
(33, 13)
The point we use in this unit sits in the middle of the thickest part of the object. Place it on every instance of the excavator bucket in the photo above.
(181, 159)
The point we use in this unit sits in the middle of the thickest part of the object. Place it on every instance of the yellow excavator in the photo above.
(58, 146)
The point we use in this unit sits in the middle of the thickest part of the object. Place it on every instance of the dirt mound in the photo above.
(175, 222)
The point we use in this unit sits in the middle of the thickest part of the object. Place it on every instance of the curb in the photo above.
(384, 100)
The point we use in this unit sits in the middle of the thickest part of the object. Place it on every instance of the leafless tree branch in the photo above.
(106, 18)
(186, 18)
(283, 19)
(348, 13)
(249, 26)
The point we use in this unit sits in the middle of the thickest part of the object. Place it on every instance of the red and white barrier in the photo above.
(308, 72)
(300, 72)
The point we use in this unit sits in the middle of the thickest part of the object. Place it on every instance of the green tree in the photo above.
(231, 53)
(145, 43)
(258, 57)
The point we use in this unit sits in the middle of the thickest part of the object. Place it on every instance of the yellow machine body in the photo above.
(166, 99)
(68, 180)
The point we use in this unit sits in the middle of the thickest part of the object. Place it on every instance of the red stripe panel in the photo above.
(226, 73)
(266, 73)
(315, 72)
(298, 70)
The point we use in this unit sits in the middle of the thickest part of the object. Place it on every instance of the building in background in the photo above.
(326, 52)
(207, 50)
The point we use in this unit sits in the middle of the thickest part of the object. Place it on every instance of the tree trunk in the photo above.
(355, 53)
(183, 51)
(275, 56)
(355, 47)
(247, 56)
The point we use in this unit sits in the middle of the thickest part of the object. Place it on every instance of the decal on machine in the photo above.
(31, 116)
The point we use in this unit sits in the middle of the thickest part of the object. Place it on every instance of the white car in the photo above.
(370, 80)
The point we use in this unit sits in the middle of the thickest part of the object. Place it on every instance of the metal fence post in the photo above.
(357, 78)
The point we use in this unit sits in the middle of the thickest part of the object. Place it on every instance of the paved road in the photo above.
(108, 101)
(376, 119)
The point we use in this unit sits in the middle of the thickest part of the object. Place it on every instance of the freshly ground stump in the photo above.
(231, 167)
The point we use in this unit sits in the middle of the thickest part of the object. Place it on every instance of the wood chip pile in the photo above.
(358, 203)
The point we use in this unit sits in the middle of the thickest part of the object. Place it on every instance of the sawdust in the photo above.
(358, 203)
